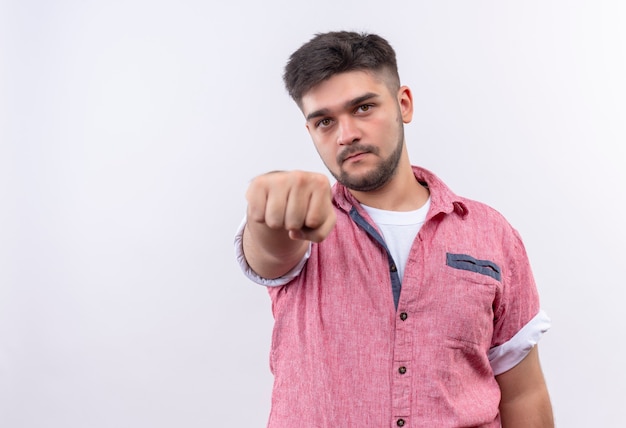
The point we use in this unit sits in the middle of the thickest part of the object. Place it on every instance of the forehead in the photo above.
(335, 92)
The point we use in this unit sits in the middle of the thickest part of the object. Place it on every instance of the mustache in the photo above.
(353, 149)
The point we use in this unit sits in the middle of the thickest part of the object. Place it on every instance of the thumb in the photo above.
(297, 235)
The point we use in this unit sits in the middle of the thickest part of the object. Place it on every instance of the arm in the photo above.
(285, 211)
(525, 402)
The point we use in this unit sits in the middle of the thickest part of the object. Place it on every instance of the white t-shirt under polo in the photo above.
(399, 229)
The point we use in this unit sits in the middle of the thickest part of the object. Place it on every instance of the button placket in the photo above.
(402, 380)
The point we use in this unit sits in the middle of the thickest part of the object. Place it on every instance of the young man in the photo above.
(396, 302)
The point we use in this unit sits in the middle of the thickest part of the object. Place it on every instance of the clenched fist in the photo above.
(298, 202)
(286, 210)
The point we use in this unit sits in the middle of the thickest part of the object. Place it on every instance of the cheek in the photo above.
(382, 124)
(324, 149)
(328, 155)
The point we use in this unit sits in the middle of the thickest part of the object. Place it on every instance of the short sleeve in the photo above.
(518, 321)
(506, 356)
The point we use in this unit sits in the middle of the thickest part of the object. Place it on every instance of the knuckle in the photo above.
(255, 215)
(314, 220)
(307, 179)
(293, 224)
(273, 223)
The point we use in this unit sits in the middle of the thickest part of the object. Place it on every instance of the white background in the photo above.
(128, 133)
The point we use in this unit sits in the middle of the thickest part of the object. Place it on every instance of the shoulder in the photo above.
(484, 211)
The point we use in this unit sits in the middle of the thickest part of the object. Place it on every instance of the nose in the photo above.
(348, 132)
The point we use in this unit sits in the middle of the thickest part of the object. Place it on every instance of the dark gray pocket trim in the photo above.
(465, 262)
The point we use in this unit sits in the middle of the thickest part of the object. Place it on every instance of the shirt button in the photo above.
(393, 268)
(402, 370)
(404, 316)
(400, 422)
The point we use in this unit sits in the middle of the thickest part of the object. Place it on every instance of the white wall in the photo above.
(129, 131)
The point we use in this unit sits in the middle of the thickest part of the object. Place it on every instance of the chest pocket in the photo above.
(462, 304)
(469, 263)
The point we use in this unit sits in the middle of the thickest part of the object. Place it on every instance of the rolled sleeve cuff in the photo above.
(252, 275)
(506, 356)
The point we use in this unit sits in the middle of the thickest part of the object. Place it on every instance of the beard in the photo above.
(379, 176)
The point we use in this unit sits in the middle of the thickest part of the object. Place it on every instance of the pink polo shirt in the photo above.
(343, 354)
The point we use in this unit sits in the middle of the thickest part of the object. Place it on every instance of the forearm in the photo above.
(525, 401)
(532, 410)
(271, 253)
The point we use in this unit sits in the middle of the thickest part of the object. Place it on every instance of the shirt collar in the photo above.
(442, 199)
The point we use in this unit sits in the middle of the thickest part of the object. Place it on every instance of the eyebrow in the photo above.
(353, 102)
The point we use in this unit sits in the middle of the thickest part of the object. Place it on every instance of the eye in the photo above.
(324, 123)
(364, 108)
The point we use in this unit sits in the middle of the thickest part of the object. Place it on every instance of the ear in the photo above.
(405, 101)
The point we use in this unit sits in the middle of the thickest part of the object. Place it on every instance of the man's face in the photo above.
(356, 123)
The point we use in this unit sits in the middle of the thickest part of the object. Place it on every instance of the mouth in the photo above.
(353, 157)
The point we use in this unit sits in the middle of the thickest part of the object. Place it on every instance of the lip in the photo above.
(354, 157)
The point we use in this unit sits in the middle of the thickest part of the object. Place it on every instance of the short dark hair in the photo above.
(327, 54)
